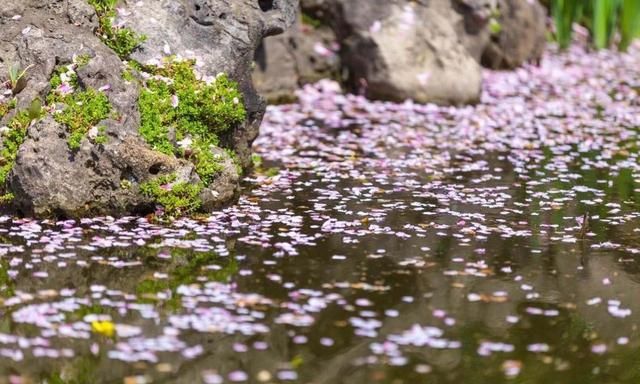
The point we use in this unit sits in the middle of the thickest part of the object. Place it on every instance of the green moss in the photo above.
(206, 163)
(79, 61)
(495, 27)
(174, 103)
(203, 110)
(102, 6)
(102, 136)
(176, 198)
(126, 184)
(7, 107)
(123, 41)
(6, 198)
(56, 80)
(127, 75)
(183, 116)
(156, 116)
(311, 21)
(256, 160)
(137, 66)
(12, 138)
(82, 60)
(83, 110)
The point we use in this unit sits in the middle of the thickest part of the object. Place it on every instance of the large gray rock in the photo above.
(428, 51)
(397, 50)
(49, 179)
(471, 19)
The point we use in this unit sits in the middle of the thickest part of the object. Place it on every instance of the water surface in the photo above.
(392, 243)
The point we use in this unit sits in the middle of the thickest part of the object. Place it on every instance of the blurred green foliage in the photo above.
(608, 21)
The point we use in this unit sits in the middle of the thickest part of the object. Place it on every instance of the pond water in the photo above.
(376, 243)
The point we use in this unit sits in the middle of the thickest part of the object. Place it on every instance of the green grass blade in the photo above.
(599, 24)
(565, 13)
(605, 14)
(629, 22)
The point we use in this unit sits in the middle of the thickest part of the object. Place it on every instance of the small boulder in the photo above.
(397, 50)
(520, 35)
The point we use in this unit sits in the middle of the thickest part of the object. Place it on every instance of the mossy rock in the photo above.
(107, 127)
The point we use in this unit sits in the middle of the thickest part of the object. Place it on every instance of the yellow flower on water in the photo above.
(106, 328)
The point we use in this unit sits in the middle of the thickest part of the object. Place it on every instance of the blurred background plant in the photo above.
(608, 21)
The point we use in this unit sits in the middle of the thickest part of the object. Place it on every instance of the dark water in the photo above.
(517, 293)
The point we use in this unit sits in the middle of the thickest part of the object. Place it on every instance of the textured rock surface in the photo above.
(522, 37)
(302, 55)
(471, 20)
(223, 35)
(428, 51)
(48, 178)
(403, 50)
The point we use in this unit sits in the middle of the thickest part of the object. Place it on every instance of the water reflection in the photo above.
(521, 302)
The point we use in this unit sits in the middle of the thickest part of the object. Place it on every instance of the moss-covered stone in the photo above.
(82, 111)
(206, 163)
(177, 198)
(101, 137)
(182, 116)
(122, 40)
(5, 108)
(13, 136)
(92, 27)
(175, 103)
